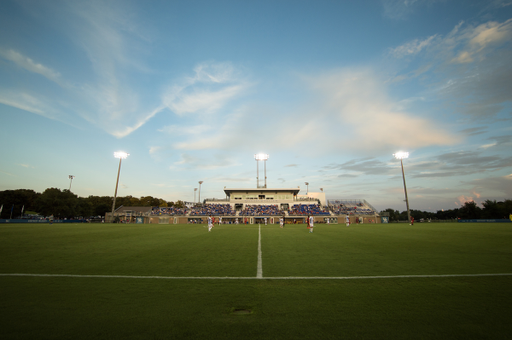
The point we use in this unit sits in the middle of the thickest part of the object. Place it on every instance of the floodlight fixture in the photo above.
(121, 155)
(261, 157)
(401, 155)
(307, 187)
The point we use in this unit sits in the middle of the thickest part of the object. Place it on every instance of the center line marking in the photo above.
(259, 272)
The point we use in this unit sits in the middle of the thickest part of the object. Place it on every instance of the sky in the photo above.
(192, 90)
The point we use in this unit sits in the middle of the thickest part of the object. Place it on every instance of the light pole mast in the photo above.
(71, 181)
(200, 182)
(401, 155)
(119, 155)
(261, 157)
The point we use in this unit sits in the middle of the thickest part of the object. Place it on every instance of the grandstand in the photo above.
(254, 205)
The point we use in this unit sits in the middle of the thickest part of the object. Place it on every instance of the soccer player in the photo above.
(281, 221)
(311, 223)
(347, 220)
(327, 220)
(236, 221)
(412, 221)
(220, 220)
(210, 223)
(265, 221)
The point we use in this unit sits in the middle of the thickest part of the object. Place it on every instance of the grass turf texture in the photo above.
(131, 308)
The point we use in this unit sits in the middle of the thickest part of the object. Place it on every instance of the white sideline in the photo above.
(259, 270)
(252, 277)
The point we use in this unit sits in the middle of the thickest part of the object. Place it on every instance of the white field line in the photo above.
(259, 270)
(252, 277)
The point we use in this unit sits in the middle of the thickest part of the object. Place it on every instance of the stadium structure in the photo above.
(255, 205)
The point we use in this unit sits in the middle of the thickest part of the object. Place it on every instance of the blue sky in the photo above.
(193, 89)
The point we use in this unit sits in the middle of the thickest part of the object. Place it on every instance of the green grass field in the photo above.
(394, 281)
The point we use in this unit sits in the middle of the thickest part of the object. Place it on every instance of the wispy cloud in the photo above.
(211, 162)
(359, 103)
(104, 92)
(21, 101)
(469, 66)
(477, 42)
(401, 9)
(412, 47)
(30, 65)
(340, 105)
(212, 86)
(28, 166)
(461, 163)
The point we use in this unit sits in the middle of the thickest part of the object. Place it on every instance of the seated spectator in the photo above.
(261, 210)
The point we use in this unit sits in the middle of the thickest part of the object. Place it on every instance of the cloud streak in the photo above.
(30, 65)
(211, 88)
(469, 67)
(359, 103)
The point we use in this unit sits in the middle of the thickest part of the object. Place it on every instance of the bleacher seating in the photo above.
(169, 211)
(213, 209)
(307, 209)
(348, 208)
(261, 210)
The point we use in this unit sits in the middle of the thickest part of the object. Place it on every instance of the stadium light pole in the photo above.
(121, 155)
(401, 155)
(307, 187)
(195, 189)
(261, 157)
(71, 178)
(200, 182)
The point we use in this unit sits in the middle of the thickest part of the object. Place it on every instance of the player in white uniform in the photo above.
(210, 223)
(220, 220)
(265, 221)
(347, 220)
(281, 221)
(236, 221)
(311, 223)
(327, 220)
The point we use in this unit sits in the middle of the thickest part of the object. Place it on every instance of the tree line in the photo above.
(470, 210)
(65, 204)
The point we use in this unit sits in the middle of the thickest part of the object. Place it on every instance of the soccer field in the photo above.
(120, 281)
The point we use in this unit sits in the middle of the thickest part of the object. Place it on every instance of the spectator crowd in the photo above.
(261, 210)
(307, 209)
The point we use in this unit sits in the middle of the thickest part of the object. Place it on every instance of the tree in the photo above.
(84, 208)
(148, 201)
(58, 203)
(101, 209)
(134, 201)
(470, 211)
(179, 204)
(418, 214)
(491, 209)
(447, 214)
(16, 200)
